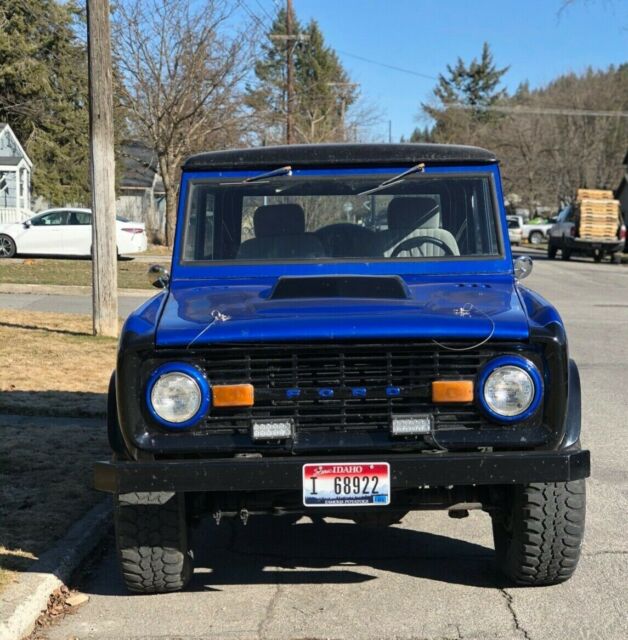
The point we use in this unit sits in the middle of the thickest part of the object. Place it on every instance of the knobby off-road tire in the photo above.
(152, 542)
(538, 540)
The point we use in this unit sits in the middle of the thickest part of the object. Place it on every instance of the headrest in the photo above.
(279, 220)
(411, 213)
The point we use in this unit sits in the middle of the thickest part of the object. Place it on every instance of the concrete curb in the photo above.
(22, 602)
(68, 290)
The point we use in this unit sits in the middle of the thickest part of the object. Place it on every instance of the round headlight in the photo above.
(175, 397)
(509, 391)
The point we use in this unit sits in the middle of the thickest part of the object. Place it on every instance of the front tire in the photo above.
(7, 246)
(539, 534)
(566, 254)
(152, 542)
(551, 251)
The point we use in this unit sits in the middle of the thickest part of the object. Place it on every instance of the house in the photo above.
(141, 192)
(15, 178)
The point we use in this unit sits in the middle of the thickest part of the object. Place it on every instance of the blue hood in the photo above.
(239, 310)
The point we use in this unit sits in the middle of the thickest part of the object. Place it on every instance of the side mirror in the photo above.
(158, 276)
(523, 267)
(26, 224)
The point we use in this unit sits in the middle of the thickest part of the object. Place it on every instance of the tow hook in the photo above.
(244, 516)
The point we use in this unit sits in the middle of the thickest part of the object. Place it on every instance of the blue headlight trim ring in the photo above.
(514, 361)
(192, 372)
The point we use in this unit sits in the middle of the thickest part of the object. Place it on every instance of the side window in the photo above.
(199, 240)
(51, 219)
(80, 217)
(571, 214)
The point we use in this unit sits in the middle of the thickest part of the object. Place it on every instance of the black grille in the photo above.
(380, 369)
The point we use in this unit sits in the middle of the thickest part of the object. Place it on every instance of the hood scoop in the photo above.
(373, 287)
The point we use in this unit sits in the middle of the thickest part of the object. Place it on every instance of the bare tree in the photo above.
(181, 68)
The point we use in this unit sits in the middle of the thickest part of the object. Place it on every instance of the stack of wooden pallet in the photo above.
(598, 214)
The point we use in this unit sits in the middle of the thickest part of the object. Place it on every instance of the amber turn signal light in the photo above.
(233, 395)
(444, 391)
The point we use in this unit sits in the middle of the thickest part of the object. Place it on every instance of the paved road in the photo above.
(65, 303)
(431, 577)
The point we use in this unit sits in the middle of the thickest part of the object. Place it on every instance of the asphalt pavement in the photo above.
(430, 577)
(63, 303)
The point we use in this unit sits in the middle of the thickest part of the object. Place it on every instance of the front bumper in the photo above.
(283, 474)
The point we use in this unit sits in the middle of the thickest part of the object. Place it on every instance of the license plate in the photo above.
(351, 484)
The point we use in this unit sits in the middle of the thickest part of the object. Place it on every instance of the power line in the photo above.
(263, 8)
(387, 66)
(549, 111)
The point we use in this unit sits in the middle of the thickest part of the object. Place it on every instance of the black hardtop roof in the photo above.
(338, 155)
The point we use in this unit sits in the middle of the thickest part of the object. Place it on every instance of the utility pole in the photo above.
(291, 39)
(345, 88)
(104, 252)
(289, 72)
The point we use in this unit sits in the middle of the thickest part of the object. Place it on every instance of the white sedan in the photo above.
(65, 232)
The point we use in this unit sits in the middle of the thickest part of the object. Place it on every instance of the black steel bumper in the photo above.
(284, 474)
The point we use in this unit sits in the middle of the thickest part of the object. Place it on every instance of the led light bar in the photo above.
(411, 425)
(271, 429)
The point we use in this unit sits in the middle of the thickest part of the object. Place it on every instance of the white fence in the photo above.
(11, 214)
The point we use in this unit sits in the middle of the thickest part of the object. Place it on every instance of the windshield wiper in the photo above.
(261, 177)
(418, 168)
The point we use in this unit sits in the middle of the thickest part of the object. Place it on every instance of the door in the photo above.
(45, 234)
(78, 237)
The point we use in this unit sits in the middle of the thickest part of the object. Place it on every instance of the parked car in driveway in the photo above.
(65, 232)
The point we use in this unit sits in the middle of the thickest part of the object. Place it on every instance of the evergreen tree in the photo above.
(475, 85)
(322, 89)
(44, 93)
(460, 97)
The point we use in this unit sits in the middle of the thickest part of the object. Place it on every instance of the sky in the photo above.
(533, 37)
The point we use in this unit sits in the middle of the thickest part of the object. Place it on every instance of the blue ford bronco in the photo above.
(343, 333)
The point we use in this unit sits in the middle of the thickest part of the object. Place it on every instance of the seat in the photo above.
(418, 217)
(280, 234)
(347, 240)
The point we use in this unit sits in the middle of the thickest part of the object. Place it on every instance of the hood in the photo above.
(244, 310)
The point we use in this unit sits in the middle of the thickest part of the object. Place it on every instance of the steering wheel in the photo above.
(418, 242)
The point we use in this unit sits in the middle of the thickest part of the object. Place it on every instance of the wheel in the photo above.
(615, 259)
(114, 435)
(539, 535)
(566, 254)
(535, 237)
(551, 251)
(152, 542)
(597, 256)
(7, 246)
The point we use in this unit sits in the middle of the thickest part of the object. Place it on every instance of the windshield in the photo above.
(330, 218)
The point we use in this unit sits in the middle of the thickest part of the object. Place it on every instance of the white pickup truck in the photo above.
(535, 233)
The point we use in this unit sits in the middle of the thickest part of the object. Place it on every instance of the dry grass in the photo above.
(45, 485)
(158, 250)
(131, 275)
(50, 364)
